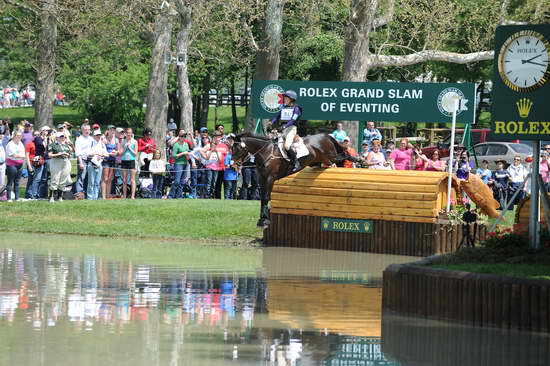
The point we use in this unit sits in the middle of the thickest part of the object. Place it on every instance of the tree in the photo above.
(157, 95)
(182, 47)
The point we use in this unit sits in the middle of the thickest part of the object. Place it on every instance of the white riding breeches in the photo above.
(288, 134)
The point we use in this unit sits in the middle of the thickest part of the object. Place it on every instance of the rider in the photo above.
(289, 116)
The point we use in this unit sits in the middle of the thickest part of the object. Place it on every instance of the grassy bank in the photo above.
(166, 219)
(533, 271)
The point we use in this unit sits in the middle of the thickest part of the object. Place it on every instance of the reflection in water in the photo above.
(300, 307)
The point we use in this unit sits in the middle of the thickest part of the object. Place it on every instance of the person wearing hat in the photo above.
(288, 117)
(27, 132)
(350, 154)
(60, 166)
(97, 153)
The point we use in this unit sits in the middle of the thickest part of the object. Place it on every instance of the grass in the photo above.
(166, 219)
(60, 114)
(152, 252)
(531, 271)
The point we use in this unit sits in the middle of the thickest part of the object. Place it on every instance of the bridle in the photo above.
(251, 155)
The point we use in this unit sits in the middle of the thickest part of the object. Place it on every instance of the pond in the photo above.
(70, 300)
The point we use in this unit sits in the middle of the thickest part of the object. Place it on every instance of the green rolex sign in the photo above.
(521, 83)
(345, 225)
(398, 102)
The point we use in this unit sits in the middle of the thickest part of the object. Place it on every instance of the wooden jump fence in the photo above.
(470, 298)
(402, 209)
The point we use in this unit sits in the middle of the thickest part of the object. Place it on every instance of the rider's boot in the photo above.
(293, 160)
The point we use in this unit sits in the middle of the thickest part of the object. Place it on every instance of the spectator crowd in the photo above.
(111, 162)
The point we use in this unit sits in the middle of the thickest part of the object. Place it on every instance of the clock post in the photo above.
(521, 97)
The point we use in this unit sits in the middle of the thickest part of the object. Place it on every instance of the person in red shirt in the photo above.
(350, 152)
(146, 148)
(35, 153)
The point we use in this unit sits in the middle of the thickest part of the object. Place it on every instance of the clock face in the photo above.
(523, 61)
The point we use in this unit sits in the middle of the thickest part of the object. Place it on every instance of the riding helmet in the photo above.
(291, 94)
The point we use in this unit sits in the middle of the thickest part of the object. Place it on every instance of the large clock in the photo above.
(523, 61)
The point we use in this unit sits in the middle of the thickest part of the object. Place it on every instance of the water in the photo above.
(88, 301)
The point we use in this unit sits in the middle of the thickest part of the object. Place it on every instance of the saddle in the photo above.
(298, 145)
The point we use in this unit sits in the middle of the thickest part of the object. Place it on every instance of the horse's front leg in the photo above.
(267, 186)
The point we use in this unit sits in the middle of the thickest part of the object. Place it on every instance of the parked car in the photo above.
(495, 151)
(478, 136)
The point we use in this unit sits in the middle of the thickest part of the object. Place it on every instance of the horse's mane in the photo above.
(253, 135)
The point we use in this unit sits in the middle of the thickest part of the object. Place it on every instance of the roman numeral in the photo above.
(525, 82)
(534, 78)
(517, 42)
(509, 72)
(516, 79)
(538, 40)
(510, 50)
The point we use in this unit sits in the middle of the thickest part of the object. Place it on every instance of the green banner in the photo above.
(521, 83)
(392, 102)
(345, 225)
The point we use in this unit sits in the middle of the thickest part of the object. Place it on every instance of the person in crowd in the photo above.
(434, 164)
(28, 132)
(390, 146)
(419, 158)
(2, 163)
(48, 136)
(59, 153)
(230, 174)
(365, 150)
(216, 156)
(339, 134)
(157, 168)
(82, 148)
(544, 169)
(221, 129)
(35, 152)
(180, 152)
(171, 126)
(350, 154)
(250, 185)
(501, 180)
(128, 163)
(95, 126)
(518, 173)
(108, 164)
(97, 153)
(484, 173)
(370, 133)
(146, 147)
(196, 138)
(402, 157)
(211, 168)
(376, 158)
(463, 165)
(15, 157)
(203, 133)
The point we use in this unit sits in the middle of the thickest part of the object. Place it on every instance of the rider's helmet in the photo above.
(291, 94)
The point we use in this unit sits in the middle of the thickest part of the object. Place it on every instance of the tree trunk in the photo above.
(234, 118)
(157, 97)
(205, 100)
(356, 66)
(182, 45)
(267, 57)
(45, 76)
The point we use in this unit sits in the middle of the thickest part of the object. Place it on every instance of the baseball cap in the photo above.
(60, 134)
(203, 129)
(61, 125)
(119, 129)
(95, 126)
(97, 132)
(45, 128)
(28, 124)
(347, 138)
(111, 127)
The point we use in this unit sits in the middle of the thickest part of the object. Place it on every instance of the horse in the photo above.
(271, 165)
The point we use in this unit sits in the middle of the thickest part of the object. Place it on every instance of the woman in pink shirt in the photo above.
(543, 169)
(434, 164)
(402, 157)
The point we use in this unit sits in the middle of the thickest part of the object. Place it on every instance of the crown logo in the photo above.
(524, 107)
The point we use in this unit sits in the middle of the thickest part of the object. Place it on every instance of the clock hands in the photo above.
(531, 59)
(533, 63)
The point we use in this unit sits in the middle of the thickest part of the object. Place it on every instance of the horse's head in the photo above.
(239, 151)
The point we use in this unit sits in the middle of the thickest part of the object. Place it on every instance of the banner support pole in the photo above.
(451, 154)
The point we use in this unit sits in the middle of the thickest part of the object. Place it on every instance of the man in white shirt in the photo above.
(2, 162)
(96, 154)
(517, 175)
(82, 149)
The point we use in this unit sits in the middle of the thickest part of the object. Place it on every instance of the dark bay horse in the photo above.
(271, 165)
